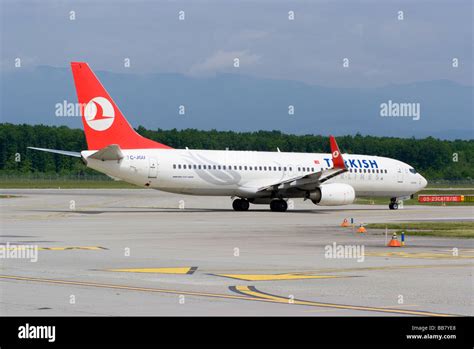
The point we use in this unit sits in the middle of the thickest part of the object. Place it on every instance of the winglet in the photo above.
(337, 160)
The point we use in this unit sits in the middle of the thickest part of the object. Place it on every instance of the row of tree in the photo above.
(434, 158)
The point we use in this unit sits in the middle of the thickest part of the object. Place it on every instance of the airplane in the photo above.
(248, 177)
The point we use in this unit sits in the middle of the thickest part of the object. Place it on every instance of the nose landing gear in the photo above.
(393, 205)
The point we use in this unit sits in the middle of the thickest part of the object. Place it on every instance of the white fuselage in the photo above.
(242, 173)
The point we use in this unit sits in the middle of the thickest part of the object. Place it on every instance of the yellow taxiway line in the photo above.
(174, 270)
(248, 293)
(419, 255)
(275, 277)
(252, 291)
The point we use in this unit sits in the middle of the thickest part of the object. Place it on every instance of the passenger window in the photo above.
(279, 168)
(174, 166)
(179, 167)
(284, 169)
(240, 168)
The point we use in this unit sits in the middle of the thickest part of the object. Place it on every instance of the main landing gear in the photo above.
(393, 205)
(278, 206)
(240, 205)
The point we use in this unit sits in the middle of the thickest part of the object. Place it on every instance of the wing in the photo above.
(315, 179)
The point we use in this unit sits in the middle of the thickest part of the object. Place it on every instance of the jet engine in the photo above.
(332, 195)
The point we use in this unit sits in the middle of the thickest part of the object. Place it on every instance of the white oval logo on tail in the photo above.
(99, 113)
(335, 154)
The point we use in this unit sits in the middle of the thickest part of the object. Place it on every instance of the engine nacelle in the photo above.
(333, 195)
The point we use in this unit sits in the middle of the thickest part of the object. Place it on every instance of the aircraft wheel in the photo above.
(244, 205)
(236, 204)
(393, 204)
(278, 206)
(240, 205)
(272, 205)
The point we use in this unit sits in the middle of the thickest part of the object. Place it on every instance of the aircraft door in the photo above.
(153, 168)
(400, 176)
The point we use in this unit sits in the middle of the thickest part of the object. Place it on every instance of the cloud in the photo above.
(222, 61)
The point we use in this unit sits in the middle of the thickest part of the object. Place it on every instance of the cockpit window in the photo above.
(412, 170)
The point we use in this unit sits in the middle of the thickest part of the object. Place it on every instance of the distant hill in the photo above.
(243, 103)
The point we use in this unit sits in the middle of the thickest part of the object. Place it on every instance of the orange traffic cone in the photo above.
(361, 229)
(345, 223)
(394, 242)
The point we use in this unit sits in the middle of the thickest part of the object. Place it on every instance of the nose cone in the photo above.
(423, 182)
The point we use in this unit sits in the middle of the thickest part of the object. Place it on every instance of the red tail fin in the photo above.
(104, 123)
(337, 160)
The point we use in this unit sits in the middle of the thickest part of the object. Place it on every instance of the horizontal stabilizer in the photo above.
(111, 152)
(55, 151)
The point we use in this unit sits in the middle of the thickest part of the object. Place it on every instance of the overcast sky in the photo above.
(381, 49)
